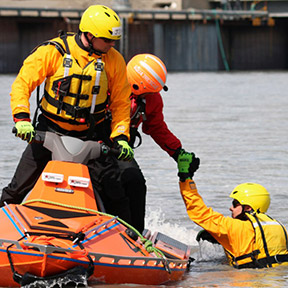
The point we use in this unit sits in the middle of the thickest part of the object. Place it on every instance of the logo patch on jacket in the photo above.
(121, 129)
(192, 185)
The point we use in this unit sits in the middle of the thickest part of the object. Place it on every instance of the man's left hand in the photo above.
(205, 235)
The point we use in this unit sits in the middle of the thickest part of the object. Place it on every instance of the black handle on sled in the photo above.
(40, 138)
(105, 150)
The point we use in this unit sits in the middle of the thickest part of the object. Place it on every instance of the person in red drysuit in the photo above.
(147, 76)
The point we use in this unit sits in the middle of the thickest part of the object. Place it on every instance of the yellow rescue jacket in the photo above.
(238, 238)
(74, 93)
(68, 106)
(270, 244)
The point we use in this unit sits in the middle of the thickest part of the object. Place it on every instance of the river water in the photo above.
(237, 124)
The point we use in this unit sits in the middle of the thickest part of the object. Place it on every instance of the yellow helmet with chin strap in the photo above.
(252, 194)
(101, 21)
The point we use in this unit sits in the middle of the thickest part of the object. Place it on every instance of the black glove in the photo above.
(187, 165)
(204, 235)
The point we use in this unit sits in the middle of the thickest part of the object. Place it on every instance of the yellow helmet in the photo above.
(101, 21)
(252, 194)
(146, 73)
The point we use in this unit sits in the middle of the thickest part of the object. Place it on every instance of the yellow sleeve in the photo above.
(120, 91)
(234, 235)
(36, 67)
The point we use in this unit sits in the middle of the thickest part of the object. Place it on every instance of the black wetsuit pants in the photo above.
(133, 182)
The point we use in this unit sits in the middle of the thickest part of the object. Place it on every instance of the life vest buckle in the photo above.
(67, 62)
(277, 261)
(80, 112)
(99, 66)
(95, 89)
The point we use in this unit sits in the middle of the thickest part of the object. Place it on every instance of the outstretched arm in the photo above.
(226, 230)
(156, 127)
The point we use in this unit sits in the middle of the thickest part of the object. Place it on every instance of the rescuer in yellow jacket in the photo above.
(251, 238)
(80, 71)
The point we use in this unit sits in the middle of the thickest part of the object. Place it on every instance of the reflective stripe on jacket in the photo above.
(237, 237)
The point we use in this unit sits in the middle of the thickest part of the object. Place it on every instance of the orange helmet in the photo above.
(146, 73)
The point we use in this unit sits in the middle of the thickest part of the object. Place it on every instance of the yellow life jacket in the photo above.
(270, 247)
(72, 95)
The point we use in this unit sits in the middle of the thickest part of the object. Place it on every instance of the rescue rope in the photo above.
(62, 205)
(146, 242)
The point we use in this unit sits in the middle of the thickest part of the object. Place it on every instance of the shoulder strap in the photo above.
(137, 111)
(263, 236)
(63, 35)
(57, 45)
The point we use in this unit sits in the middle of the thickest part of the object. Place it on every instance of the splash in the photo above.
(156, 220)
(61, 282)
(209, 252)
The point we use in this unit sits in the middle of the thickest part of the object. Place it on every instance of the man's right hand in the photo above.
(188, 163)
(125, 151)
(25, 130)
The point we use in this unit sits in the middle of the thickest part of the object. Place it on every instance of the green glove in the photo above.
(187, 165)
(126, 152)
(25, 130)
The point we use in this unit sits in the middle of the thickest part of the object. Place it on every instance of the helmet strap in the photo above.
(242, 216)
(91, 50)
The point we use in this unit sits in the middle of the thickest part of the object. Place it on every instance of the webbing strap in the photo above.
(265, 262)
(74, 111)
(263, 239)
(96, 88)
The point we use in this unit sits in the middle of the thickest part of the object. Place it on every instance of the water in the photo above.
(237, 124)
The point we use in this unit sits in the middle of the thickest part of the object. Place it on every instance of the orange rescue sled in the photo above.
(59, 228)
